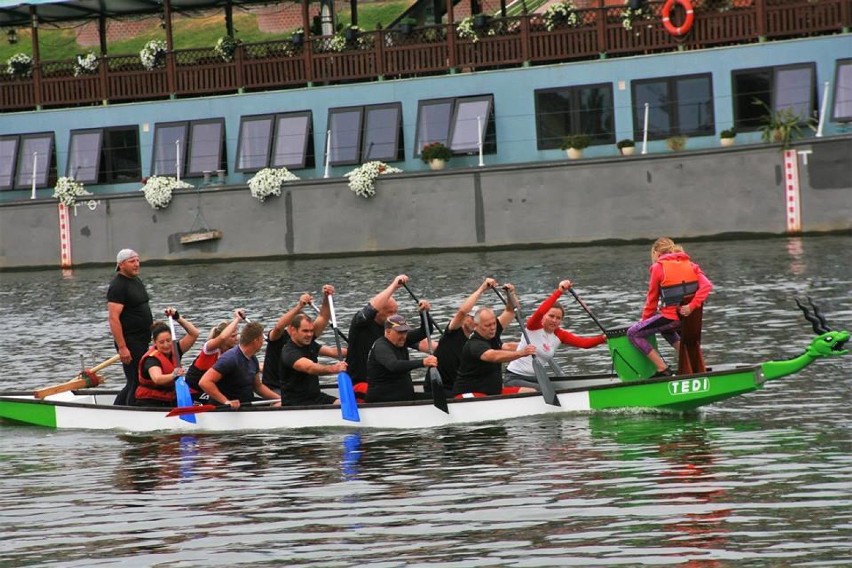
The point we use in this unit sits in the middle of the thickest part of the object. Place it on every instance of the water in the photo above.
(760, 480)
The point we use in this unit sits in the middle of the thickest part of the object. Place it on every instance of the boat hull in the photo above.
(94, 410)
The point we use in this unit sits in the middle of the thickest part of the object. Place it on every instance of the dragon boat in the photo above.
(630, 386)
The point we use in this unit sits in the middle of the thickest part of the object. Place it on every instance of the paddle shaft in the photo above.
(79, 382)
(336, 330)
(196, 409)
(345, 390)
(586, 309)
(431, 321)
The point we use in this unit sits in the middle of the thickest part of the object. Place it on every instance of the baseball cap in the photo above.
(124, 254)
(397, 323)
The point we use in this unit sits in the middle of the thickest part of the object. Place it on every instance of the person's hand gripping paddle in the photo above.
(184, 398)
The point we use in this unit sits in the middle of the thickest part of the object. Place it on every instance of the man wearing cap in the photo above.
(449, 349)
(130, 320)
(388, 366)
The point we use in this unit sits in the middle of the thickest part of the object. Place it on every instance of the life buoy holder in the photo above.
(684, 28)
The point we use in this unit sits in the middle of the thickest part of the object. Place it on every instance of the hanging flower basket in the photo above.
(20, 65)
(362, 180)
(67, 191)
(86, 64)
(226, 47)
(467, 30)
(561, 15)
(158, 190)
(630, 15)
(153, 55)
(269, 181)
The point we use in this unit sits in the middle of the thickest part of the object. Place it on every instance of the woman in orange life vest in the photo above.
(221, 338)
(157, 371)
(680, 286)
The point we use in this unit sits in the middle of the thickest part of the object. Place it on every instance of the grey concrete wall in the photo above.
(688, 194)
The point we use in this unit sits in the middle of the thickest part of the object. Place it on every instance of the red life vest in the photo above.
(680, 281)
(150, 390)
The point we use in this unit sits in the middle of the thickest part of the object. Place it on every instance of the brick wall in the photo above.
(87, 34)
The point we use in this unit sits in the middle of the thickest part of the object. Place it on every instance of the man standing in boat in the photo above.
(300, 370)
(130, 320)
(480, 370)
(235, 377)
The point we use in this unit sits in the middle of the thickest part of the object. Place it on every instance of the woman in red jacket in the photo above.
(679, 287)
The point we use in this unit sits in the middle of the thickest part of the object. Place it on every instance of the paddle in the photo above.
(198, 408)
(348, 404)
(81, 381)
(184, 398)
(548, 392)
(428, 315)
(586, 309)
(337, 331)
(439, 397)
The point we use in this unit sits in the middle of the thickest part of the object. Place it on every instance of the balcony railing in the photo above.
(431, 50)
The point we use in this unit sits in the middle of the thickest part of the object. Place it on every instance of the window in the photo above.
(791, 86)
(364, 133)
(458, 123)
(677, 106)
(564, 111)
(842, 110)
(19, 154)
(275, 140)
(194, 147)
(104, 155)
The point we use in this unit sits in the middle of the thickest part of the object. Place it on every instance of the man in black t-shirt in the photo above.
(130, 320)
(481, 369)
(300, 370)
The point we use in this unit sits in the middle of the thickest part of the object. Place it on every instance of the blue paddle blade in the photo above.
(184, 398)
(348, 404)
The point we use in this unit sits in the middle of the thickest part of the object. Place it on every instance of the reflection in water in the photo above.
(796, 250)
(351, 455)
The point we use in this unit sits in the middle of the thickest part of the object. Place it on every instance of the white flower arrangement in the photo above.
(268, 181)
(563, 14)
(153, 55)
(466, 30)
(86, 64)
(362, 179)
(629, 15)
(67, 191)
(336, 43)
(158, 190)
(225, 48)
(20, 64)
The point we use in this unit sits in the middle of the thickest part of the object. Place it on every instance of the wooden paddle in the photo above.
(348, 404)
(548, 392)
(439, 397)
(81, 381)
(184, 398)
(198, 408)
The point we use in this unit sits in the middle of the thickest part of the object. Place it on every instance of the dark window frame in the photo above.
(417, 134)
(331, 147)
(307, 142)
(85, 131)
(747, 124)
(489, 141)
(14, 163)
(158, 127)
(238, 167)
(50, 173)
(674, 107)
(834, 117)
(221, 161)
(575, 116)
(361, 136)
(368, 154)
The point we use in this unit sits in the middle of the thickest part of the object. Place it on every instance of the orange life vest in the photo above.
(680, 281)
(147, 388)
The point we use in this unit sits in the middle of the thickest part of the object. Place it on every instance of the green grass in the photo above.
(59, 44)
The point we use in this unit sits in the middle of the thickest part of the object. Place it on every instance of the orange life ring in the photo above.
(687, 23)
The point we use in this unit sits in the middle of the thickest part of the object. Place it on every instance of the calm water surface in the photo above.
(762, 480)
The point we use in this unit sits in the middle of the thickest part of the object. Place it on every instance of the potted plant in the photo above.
(86, 64)
(575, 144)
(480, 21)
(351, 33)
(20, 64)
(225, 48)
(153, 55)
(562, 14)
(726, 137)
(631, 14)
(67, 191)
(676, 143)
(362, 180)
(436, 155)
(158, 190)
(782, 126)
(269, 181)
(626, 146)
(466, 30)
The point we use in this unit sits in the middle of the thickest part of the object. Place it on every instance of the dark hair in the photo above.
(159, 327)
(251, 332)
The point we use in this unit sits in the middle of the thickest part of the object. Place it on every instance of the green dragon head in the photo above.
(829, 344)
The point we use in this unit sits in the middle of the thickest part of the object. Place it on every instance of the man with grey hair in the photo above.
(130, 320)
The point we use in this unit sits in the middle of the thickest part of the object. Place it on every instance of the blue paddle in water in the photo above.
(184, 398)
(348, 404)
